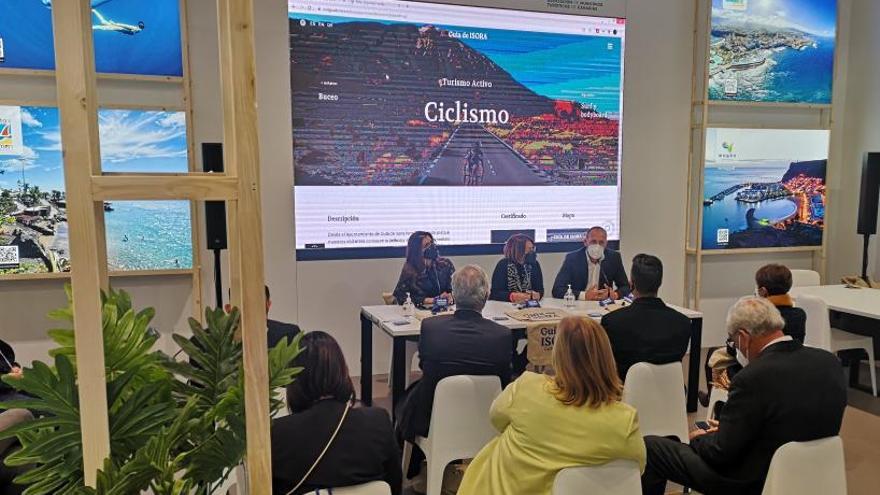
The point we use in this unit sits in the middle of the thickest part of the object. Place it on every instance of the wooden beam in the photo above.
(78, 109)
(238, 77)
(212, 187)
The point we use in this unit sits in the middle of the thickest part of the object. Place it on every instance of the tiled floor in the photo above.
(860, 433)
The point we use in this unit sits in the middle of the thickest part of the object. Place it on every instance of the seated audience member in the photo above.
(321, 402)
(8, 366)
(517, 276)
(8, 446)
(648, 330)
(594, 272)
(785, 393)
(425, 275)
(276, 330)
(463, 343)
(773, 282)
(546, 424)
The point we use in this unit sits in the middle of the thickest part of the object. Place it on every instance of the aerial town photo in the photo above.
(779, 51)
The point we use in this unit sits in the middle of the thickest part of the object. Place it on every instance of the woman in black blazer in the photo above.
(517, 276)
(320, 401)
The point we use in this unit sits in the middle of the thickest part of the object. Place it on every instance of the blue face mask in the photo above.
(531, 258)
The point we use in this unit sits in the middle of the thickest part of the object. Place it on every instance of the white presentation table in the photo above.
(858, 302)
(381, 317)
(855, 310)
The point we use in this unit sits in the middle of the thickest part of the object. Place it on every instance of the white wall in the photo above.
(860, 132)
(24, 305)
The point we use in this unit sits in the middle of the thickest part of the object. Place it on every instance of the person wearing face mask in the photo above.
(786, 392)
(594, 272)
(517, 277)
(425, 275)
(772, 282)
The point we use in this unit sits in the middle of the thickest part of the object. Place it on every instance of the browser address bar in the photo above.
(485, 17)
(349, 8)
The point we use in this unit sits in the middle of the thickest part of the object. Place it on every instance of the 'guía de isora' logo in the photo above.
(7, 136)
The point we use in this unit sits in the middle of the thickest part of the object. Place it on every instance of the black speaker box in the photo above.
(870, 194)
(215, 211)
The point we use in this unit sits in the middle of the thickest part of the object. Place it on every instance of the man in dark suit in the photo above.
(648, 330)
(276, 330)
(786, 393)
(464, 343)
(594, 272)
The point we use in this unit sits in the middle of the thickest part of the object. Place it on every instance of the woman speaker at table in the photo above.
(425, 275)
(517, 276)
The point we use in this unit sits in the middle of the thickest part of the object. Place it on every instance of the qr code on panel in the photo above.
(8, 255)
(723, 236)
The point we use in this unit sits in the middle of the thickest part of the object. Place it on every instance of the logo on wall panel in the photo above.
(736, 4)
(10, 131)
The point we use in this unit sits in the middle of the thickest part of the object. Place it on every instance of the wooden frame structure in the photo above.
(87, 187)
(185, 106)
(706, 113)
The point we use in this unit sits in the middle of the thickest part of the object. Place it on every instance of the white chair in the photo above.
(822, 336)
(807, 468)
(412, 349)
(805, 278)
(235, 484)
(657, 393)
(281, 394)
(620, 477)
(371, 488)
(717, 395)
(460, 425)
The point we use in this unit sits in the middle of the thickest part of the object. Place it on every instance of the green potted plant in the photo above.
(176, 427)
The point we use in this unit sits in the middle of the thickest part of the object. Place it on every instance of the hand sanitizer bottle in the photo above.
(569, 297)
(408, 306)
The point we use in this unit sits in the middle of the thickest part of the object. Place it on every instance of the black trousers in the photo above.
(675, 461)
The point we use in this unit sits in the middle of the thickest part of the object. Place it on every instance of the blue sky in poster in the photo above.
(818, 17)
(121, 45)
(131, 141)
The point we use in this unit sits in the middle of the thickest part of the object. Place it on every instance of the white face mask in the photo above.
(757, 292)
(741, 358)
(595, 251)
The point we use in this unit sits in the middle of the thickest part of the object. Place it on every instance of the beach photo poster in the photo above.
(772, 51)
(134, 37)
(141, 235)
(764, 188)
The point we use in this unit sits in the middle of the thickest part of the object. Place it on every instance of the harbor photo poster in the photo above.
(133, 37)
(772, 51)
(764, 188)
(141, 235)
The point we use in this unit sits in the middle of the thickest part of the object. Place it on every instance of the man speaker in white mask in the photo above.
(594, 272)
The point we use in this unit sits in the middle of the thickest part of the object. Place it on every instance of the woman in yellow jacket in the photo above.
(547, 423)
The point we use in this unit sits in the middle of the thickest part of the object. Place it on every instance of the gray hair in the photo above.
(470, 287)
(755, 315)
